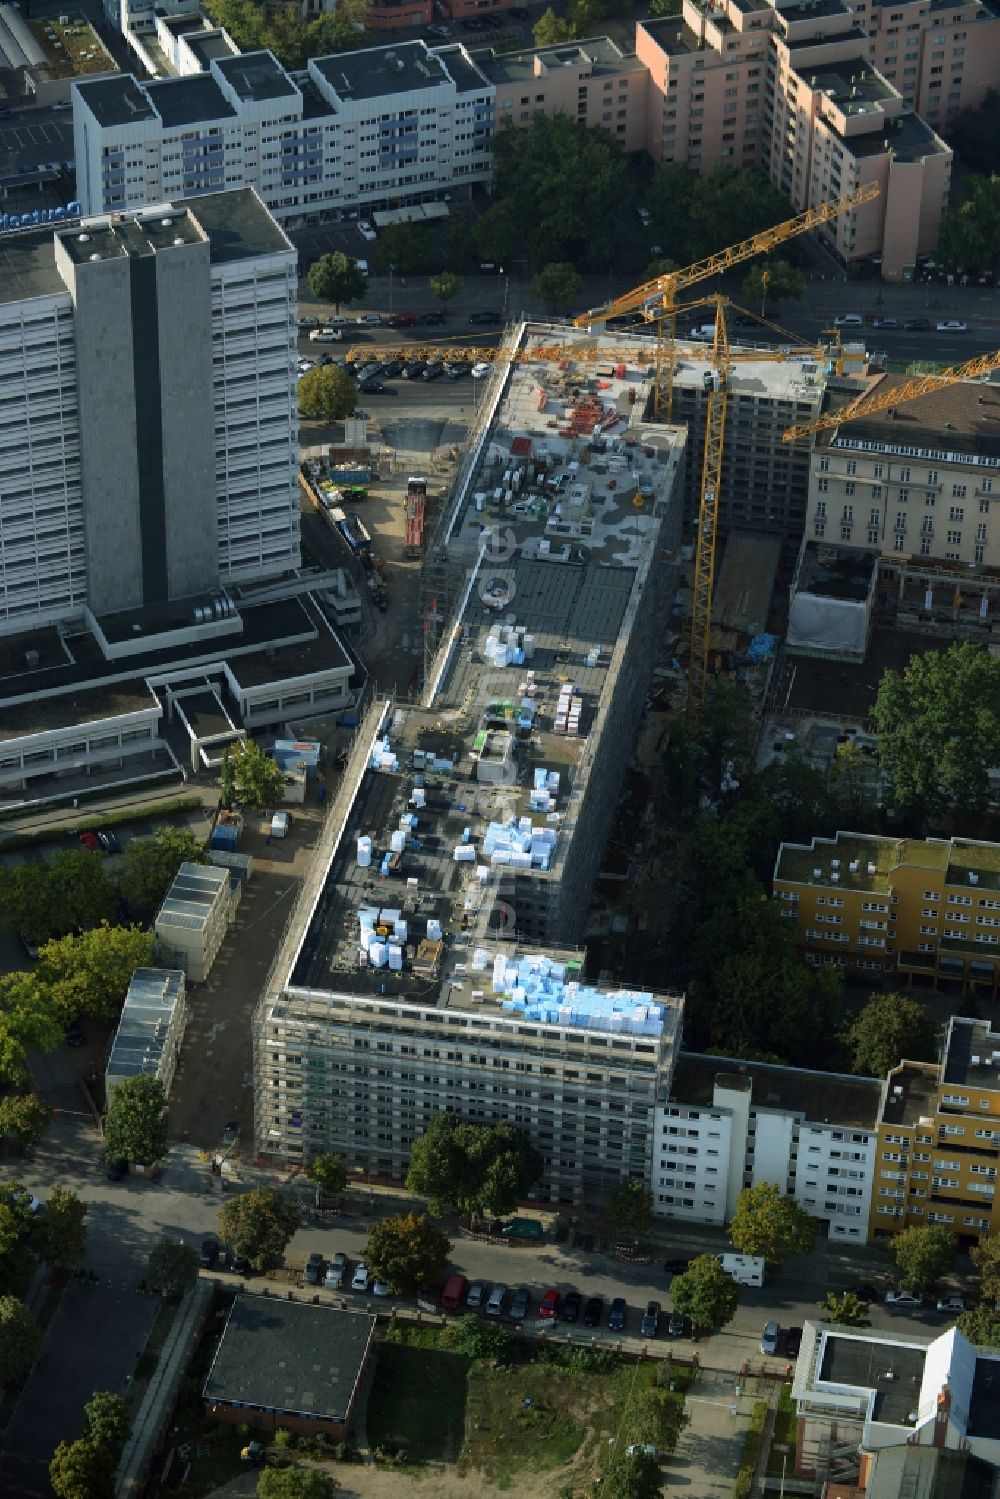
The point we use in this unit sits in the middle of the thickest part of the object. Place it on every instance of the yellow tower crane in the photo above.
(657, 299)
(880, 397)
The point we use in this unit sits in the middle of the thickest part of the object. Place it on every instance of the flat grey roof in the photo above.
(893, 1370)
(599, 52)
(256, 75)
(910, 139)
(191, 897)
(290, 1357)
(116, 101)
(39, 715)
(189, 100)
(402, 69)
(833, 572)
(152, 998)
(28, 266)
(967, 1040)
(237, 224)
(822, 1097)
(469, 79)
(209, 47)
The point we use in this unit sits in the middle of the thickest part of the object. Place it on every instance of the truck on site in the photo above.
(745, 1269)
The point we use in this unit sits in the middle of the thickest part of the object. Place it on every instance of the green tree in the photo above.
(773, 278)
(706, 1294)
(250, 777)
(258, 1224)
(981, 1326)
(969, 238)
(30, 1020)
(558, 285)
(845, 1310)
(476, 1168)
(89, 973)
(634, 1475)
(550, 29)
(329, 1173)
(73, 891)
(938, 725)
(768, 1223)
(24, 1118)
(20, 1338)
(665, 7)
(135, 1125)
(445, 285)
(106, 1420)
(60, 1236)
(892, 1028)
(986, 1257)
(923, 1254)
(336, 278)
(407, 1252)
(150, 864)
(18, 1259)
(82, 1470)
(496, 233)
(406, 249)
(489, 1341)
(629, 1208)
(327, 394)
(173, 1267)
(852, 782)
(296, 1483)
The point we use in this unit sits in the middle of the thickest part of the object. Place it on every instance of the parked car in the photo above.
(208, 1253)
(865, 1291)
(372, 387)
(413, 369)
(239, 1264)
(917, 324)
(793, 1341)
(30, 946)
(306, 323)
(951, 325)
(325, 336)
(402, 320)
(954, 1305)
(476, 1296)
(676, 1267)
(314, 1270)
(336, 1272)
(675, 1325)
(849, 320)
(431, 319)
(108, 842)
(549, 1308)
(91, 843)
(616, 1316)
(593, 1312)
(381, 1288)
(434, 370)
(520, 1303)
(571, 1307)
(495, 1305)
(438, 30)
(650, 1324)
(770, 1338)
(362, 1279)
(481, 370)
(392, 368)
(369, 320)
(903, 1298)
(885, 322)
(642, 1449)
(485, 319)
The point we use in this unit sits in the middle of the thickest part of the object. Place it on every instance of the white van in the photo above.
(745, 1269)
(849, 320)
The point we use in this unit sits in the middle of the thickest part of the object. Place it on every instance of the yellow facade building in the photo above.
(939, 1139)
(926, 910)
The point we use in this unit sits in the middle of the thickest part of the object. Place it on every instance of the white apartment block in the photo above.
(729, 1125)
(370, 129)
(147, 408)
(918, 481)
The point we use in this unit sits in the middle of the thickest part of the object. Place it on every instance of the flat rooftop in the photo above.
(832, 572)
(809, 10)
(972, 1055)
(852, 85)
(861, 861)
(911, 1095)
(255, 76)
(189, 100)
(116, 101)
(671, 35)
(209, 47)
(821, 1097)
(28, 266)
(598, 55)
(984, 1407)
(892, 1371)
(463, 69)
(910, 139)
(963, 419)
(141, 1038)
(238, 225)
(290, 1357)
(845, 689)
(192, 896)
(406, 68)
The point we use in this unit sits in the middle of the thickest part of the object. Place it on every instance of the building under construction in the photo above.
(433, 952)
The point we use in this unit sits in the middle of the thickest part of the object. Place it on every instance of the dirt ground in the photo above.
(444, 1482)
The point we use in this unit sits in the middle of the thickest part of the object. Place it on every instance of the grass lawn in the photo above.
(785, 1431)
(418, 1400)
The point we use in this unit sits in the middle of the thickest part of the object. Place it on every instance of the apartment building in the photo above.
(148, 415)
(730, 1124)
(371, 129)
(921, 480)
(939, 1138)
(592, 81)
(941, 57)
(925, 910)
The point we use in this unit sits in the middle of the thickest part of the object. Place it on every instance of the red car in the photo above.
(402, 320)
(91, 843)
(549, 1307)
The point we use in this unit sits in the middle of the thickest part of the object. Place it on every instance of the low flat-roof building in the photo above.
(832, 602)
(195, 916)
(289, 1365)
(150, 1030)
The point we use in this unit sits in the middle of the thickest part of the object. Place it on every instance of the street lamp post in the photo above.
(504, 289)
(784, 1449)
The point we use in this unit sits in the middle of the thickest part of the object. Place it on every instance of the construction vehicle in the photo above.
(882, 399)
(415, 515)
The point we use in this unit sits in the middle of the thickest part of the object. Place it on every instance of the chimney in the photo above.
(941, 1416)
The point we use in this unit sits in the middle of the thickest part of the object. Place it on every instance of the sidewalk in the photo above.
(66, 816)
(710, 1448)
